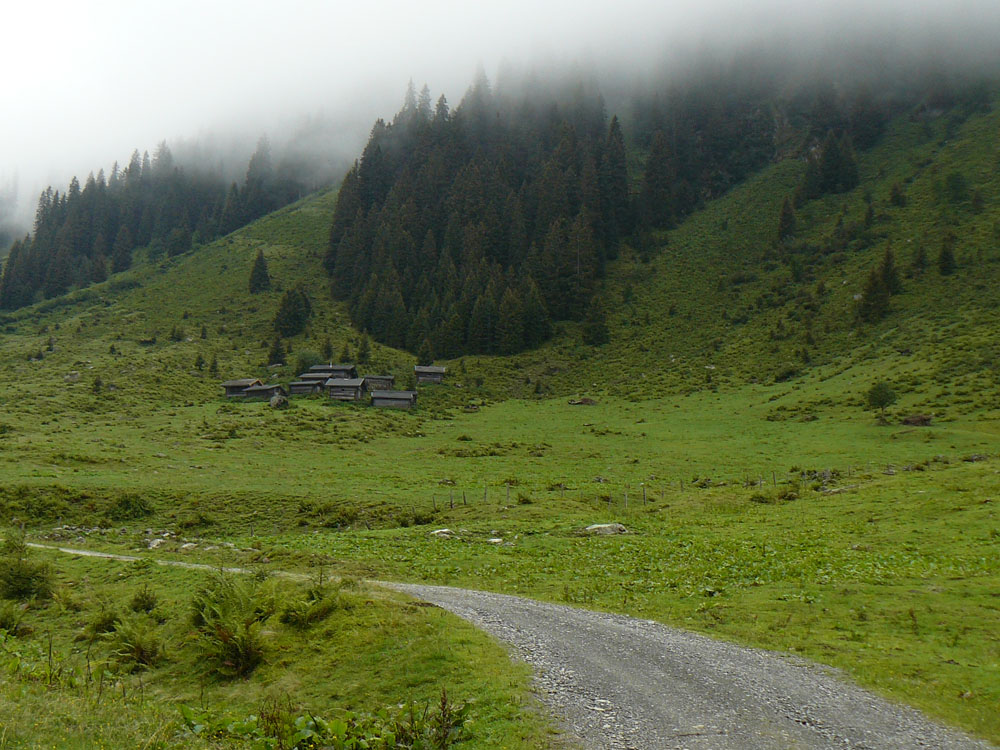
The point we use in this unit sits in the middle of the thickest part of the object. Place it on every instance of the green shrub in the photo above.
(144, 600)
(129, 508)
(104, 622)
(11, 615)
(20, 577)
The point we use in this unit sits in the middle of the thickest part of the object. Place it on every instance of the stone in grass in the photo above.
(279, 402)
(604, 529)
(443, 533)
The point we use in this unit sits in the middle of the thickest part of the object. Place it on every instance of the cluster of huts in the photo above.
(340, 383)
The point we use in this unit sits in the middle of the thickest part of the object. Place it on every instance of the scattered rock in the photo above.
(494, 540)
(189, 545)
(604, 529)
(600, 480)
(71, 377)
(154, 543)
(279, 402)
(582, 401)
(443, 533)
(918, 420)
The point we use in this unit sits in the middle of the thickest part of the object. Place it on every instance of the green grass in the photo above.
(63, 688)
(724, 369)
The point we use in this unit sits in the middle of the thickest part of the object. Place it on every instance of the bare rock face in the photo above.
(605, 529)
(279, 402)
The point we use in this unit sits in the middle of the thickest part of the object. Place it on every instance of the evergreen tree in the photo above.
(510, 324)
(425, 356)
(656, 196)
(889, 273)
(213, 368)
(260, 280)
(364, 349)
(874, 303)
(946, 259)
(277, 354)
(327, 351)
(786, 221)
(121, 252)
(294, 311)
(595, 325)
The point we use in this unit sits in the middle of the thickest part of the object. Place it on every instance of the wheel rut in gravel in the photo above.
(620, 683)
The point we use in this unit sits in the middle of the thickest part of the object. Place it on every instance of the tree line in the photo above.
(85, 233)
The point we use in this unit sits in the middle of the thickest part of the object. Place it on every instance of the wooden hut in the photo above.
(264, 392)
(429, 374)
(306, 387)
(394, 399)
(380, 382)
(322, 377)
(237, 388)
(345, 389)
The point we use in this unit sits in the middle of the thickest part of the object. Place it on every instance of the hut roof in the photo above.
(430, 369)
(240, 383)
(344, 382)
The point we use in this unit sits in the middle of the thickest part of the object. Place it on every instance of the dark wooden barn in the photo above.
(264, 392)
(429, 373)
(380, 382)
(394, 399)
(237, 388)
(345, 389)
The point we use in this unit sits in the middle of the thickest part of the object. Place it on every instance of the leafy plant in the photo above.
(135, 642)
(228, 612)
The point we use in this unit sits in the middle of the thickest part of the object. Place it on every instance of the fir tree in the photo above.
(277, 354)
(595, 325)
(327, 351)
(889, 273)
(510, 324)
(656, 196)
(946, 258)
(213, 368)
(874, 303)
(260, 280)
(425, 356)
(121, 252)
(294, 311)
(364, 349)
(786, 221)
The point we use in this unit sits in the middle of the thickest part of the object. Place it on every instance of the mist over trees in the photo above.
(85, 233)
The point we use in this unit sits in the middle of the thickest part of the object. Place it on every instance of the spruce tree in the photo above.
(595, 325)
(656, 196)
(889, 273)
(425, 356)
(786, 221)
(260, 280)
(874, 303)
(327, 351)
(277, 354)
(121, 251)
(293, 312)
(364, 349)
(946, 259)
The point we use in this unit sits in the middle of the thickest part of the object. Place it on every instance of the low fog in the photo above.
(86, 83)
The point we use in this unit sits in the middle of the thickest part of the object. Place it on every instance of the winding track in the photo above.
(620, 683)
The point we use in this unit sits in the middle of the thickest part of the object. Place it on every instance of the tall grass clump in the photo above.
(136, 643)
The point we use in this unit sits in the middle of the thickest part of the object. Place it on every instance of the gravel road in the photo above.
(618, 682)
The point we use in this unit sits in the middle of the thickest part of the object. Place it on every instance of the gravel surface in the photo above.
(618, 682)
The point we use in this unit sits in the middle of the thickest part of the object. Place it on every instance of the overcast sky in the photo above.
(86, 82)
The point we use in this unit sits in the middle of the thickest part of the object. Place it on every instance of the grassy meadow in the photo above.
(765, 503)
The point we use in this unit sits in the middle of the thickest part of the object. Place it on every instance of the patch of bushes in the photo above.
(20, 577)
(129, 507)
